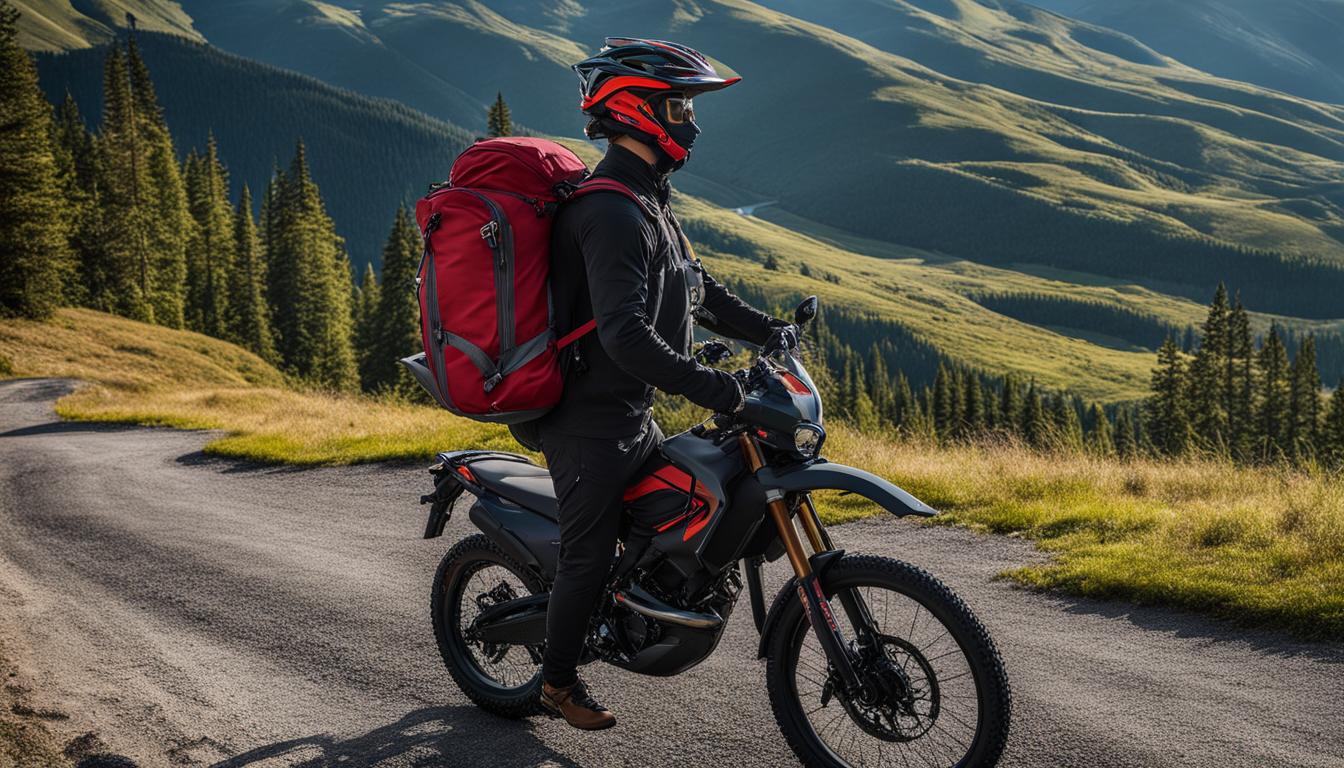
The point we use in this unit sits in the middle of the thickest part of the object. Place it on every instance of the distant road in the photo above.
(195, 611)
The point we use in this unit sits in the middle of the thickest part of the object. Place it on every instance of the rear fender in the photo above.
(823, 475)
(524, 535)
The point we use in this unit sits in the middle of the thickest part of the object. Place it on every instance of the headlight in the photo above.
(807, 439)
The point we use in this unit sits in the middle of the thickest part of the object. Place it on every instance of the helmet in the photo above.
(615, 86)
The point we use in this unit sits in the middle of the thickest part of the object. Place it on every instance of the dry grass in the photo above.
(1259, 545)
(289, 426)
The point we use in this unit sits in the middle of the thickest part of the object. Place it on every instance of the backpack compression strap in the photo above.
(600, 184)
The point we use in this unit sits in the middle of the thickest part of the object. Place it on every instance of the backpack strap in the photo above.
(606, 184)
(601, 184)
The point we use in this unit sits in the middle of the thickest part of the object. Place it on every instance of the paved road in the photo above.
(195, 611)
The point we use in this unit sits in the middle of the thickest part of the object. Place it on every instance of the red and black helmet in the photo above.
(616, 84)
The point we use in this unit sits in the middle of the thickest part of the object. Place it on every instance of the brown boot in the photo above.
(576, 707)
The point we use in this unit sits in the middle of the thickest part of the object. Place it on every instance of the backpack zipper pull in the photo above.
(490, 234)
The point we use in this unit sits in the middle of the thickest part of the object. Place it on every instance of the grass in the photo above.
(1256, 545)
(140, 374)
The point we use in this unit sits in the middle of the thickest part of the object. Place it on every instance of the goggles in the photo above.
(678, 110)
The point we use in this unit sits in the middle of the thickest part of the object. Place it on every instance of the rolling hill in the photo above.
(1288, 45)
(62, 25)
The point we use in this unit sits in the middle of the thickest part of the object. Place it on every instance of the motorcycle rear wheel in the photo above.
(932, 649)
(473, 571)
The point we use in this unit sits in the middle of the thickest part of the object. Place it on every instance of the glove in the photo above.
(735, 394)
(784, 338)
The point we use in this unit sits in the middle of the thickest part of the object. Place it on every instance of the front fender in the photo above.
(822, 474)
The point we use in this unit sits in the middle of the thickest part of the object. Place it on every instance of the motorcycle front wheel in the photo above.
(934, 694)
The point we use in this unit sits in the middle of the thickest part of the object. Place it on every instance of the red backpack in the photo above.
(490, 347)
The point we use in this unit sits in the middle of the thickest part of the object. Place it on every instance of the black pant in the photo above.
(590, 476)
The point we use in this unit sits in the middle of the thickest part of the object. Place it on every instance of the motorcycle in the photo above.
(869, 660)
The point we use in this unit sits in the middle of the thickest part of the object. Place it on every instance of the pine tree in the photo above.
(1100, 439)
(974, 410)
(210, 250)
(1332, 433)
(1066, 430)
(859, 405)
(123, 182)
(1168, 422)
(1035, 427)
(249, 323)
(367, 351)
(498, 122)
(906, 406)
(33, 242)
(956, 394)
(397, 324)
(879, 384)
(1126, 442)
(76, 161)
(1207, 376)
(991, 407)
(169, 220)
(1272, 418)
(1238, 383)
(309, 295)
(1010, 405)
(942, 412)
(1304, 402)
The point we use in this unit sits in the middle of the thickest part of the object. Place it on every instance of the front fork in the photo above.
(810, 591)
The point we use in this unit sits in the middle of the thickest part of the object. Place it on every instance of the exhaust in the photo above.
(641, 602)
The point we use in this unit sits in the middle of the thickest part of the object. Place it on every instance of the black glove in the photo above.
(784, 338)
(734, 393)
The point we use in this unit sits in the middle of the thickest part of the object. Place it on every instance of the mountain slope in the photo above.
(366, 154)
(59, 25)
(994, 130)
(1288, 45)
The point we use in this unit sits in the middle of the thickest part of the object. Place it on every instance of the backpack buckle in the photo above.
(493, 381)
(490, 234)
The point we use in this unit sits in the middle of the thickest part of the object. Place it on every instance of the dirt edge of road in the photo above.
(25, 739)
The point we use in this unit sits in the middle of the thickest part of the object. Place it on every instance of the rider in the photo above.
(638, 278)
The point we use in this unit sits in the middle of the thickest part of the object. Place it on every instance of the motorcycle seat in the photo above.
(523, 483)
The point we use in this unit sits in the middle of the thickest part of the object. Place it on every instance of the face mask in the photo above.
(681, 130)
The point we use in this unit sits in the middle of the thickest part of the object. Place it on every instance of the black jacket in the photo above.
(610, 261)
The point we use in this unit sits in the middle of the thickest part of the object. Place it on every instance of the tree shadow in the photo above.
(231, 466)
(1211, 630)
(460, 735)
(65, 427)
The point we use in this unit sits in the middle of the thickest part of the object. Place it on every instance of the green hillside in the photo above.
(993, 131)
(367, 154)
(1288, 45)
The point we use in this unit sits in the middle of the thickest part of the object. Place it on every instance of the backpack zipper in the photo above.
(438, 368)
(498, 235)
